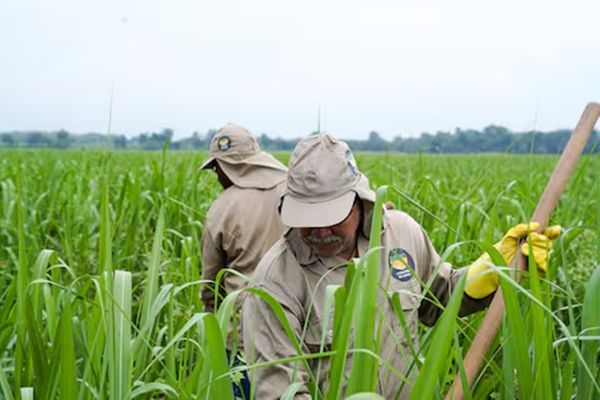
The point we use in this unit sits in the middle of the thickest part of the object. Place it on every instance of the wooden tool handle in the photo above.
(547, 203)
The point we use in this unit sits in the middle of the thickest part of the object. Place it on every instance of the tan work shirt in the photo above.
(241, 225)
(297, 278)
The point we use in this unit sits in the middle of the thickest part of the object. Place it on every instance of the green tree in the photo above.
(7, 140)
(120, 141)
(376, 142)
(63, 139)
(37, 139)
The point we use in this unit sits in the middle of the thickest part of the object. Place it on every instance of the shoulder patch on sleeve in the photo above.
(401, 263)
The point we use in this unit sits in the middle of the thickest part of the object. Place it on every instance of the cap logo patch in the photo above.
(400, 264)
(224, 143)
(351, 162)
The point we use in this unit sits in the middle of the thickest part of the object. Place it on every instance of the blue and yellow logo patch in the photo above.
(224, 143)
(401, 264)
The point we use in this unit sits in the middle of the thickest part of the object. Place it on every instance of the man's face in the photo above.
(221, 176)
(336, 240)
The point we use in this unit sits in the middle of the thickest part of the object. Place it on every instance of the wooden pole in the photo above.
(548, 201)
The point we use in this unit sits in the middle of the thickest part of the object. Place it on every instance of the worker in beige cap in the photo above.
(243, 222)
(328, 206)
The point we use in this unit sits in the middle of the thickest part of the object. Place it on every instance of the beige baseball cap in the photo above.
(322, 182)
(238, 153)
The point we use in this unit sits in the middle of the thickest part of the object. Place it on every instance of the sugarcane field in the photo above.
(101, 269)
(299, 200)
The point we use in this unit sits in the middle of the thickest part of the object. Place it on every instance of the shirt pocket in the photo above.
(408, 292)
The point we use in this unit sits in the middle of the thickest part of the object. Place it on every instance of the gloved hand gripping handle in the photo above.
(546, 205)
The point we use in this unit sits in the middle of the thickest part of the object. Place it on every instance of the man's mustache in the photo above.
(324, 240)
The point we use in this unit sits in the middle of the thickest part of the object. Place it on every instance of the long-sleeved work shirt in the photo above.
(297, 278)
(241, 225)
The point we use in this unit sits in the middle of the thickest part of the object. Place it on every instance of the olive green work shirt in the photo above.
(297, 278)
(241, 225)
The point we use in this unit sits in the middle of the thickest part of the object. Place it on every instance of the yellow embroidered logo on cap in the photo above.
(224, 143)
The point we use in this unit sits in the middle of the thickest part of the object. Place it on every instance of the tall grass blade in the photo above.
(22, 357)
(5, 388)
(346, 301)
(566, 384)
(153, 271)
(363, 374)
(516, 343)
(27, 393)
(105, 240)
(66, 352)
(150, 308)
(218, 383)
(121, 358)
(365, 396)
(153, 387)
(106, 330)
(436, 359)
(541, 340)
(587, 387)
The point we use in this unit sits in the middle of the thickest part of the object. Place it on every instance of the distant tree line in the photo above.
(492, 139)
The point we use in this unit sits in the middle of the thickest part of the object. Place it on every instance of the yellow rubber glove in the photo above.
(483, 280)
(541, 245)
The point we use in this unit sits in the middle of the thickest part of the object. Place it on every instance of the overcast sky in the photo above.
(397, 67)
